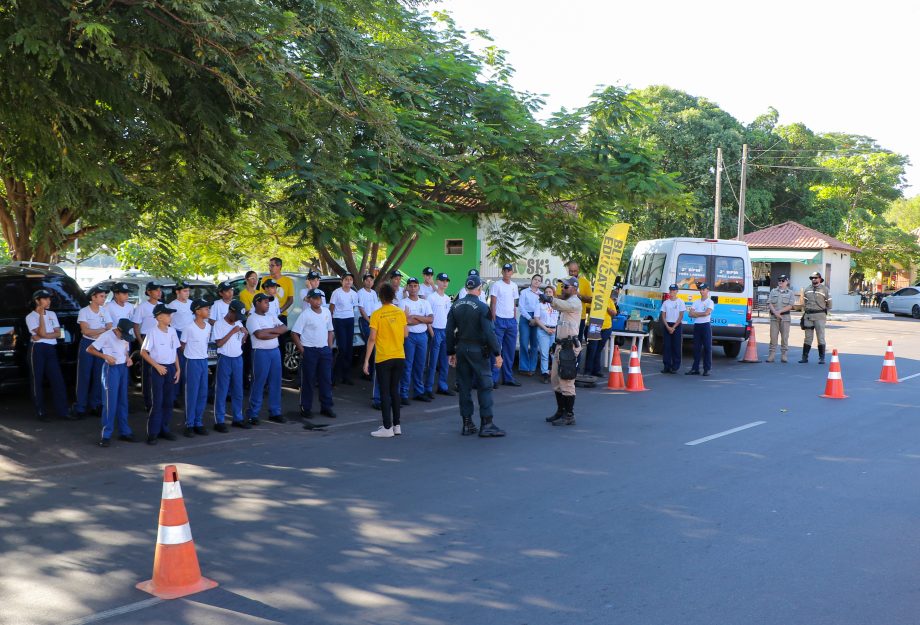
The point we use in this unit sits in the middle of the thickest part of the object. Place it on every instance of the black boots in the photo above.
(805, 349)
(487, 428)
(468, 427)
(560, 408)
(568, 418)
(820, 354)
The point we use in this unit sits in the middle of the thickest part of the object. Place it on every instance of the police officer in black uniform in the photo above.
(470, 341)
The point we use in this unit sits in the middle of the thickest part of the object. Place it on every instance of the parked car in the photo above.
(904, 301)
(290, 358)
(17, 283)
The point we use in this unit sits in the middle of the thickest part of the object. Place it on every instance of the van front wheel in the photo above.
(732, 348)
(655, 339)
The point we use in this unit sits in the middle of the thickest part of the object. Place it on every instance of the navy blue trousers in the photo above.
(162, 396)
(266, 372)
(413, 375)
(506, 332)
(114, 399)
(196, 391)
(344, 330)
(316, 369)
(673, 344)
(44, 363)
(89, 379)
(702, 346)
(437, 361)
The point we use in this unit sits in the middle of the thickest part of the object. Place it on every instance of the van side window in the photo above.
(654, 268)
(635, 276)
(728, 274)
(691, 270)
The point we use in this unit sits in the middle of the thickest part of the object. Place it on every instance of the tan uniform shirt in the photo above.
(569, 316)
(781, 298)
(817, 299)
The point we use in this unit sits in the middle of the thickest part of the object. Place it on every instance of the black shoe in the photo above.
(242, 424)
(447, 392)
(221, 427)
(375, 405)
(429, 395)
(422, 397)
(45, 418)
(567, 419)
(468, 428)
(404, 401)
(128, 438)
(151, 440)
(189, 432)
(305, 414)
(706, 373)
(74, 415)
(328, 412)
(313, 426)
(104, 442)
(692, 372)
(666, 370)
(277, 418)
(495, 386)
(490, 430)
(254, 421)
(512, 383)
(545, 379)
(168, 436)
(200, 431)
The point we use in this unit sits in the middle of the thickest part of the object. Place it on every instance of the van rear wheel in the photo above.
(732, 348)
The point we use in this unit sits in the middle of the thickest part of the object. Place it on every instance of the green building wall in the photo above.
(430, 250)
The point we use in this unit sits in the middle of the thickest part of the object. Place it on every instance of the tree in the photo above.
(905, 213)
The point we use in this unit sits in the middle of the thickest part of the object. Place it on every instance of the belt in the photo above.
(550, 327)
(814, 312)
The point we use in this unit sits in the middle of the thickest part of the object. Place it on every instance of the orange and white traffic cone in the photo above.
(615, 379)
(750, 354)
(175, 564)
(834, 387)
(889, 370)
(634, 376)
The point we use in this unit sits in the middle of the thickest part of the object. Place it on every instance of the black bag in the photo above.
(802, 321)
(568, 361)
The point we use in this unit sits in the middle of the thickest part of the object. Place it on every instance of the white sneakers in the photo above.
(383, 432)
(397, 430)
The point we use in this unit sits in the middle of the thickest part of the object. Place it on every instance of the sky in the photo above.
(834, 66)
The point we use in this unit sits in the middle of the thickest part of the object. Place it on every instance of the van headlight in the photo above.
(7, 339)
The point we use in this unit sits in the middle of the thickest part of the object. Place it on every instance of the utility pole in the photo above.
(744, 159)
(718, 216)
(76, 249)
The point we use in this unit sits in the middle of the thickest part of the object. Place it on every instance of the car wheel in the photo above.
(732, 348)
(915, 312)
(655, 339)
(290, 359)
(884, 307)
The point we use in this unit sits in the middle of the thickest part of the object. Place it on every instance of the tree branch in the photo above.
(349, 257)
(327, 258)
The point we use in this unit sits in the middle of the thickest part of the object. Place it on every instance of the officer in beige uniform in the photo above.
(562, 373)
(816, 302)
(780, 302)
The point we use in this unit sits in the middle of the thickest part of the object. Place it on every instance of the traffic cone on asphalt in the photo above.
(175, 564)
(615, 379)
(750, 354)
(634, 376)
(834, 387)
(889, 370)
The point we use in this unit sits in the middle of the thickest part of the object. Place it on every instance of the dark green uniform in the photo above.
(471, 338)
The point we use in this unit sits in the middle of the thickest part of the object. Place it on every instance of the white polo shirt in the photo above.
(344, 303)
(701, 305)
(111, 345)
(256, 322)
(673, 310)
(368, 300)
(505, 294)
(424, 290)
(273, 309)
(143, 315)
(440, 306)
(219, 309)
(117, 313)
(314, 327)
(234, 345)
(52, 326)
(463, 293)
(95, 320)
(418, 307)
(183, 315)
(196, 341)
(161, 346)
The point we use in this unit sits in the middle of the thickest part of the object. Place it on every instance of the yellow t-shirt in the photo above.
(390, 323)
(285, 290)
(246, 297)
(584, 288)
(608, 318)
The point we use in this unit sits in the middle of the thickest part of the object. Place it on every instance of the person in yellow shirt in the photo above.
(249, 289)
(594, 365)
(389, 328)
(285, 294)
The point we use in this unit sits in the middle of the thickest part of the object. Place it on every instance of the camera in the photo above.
(544, 299)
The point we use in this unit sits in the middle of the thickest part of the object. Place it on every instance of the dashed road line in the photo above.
(725, 433)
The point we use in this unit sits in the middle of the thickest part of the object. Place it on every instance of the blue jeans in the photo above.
(228, 380)
(437, 362)
(506, 333)
(595, 350)
(545, 340)
(673, 344)
(114, 399)
(316, 368)
(529, 350)
(162, 396)
(89, 379)
(266, 371)
(416, 349)
(344, 330)
(196, 391)
(702, 346)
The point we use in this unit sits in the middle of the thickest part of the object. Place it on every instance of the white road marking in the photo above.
(543, 392)
(199, 445)
(907, 377)
(725, 433)
(63, 465)
(125, 609)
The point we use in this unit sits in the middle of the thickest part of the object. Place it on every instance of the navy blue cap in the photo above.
(473, 282)
(182, 284)
(570, 282)
(125, 326)
(238, 307)
(472, 272)
(313, 275)
(223, 286)
(159, 309)
(260, 296)
(702, 285)
(348, 273)
(507, 267)
(97, 289)
(411, 281)
(396, 274)
(153, 285)
(427, 271)
(368, 275)
(269, 283)
(316, 293)
(200, 303)
(673, 287)
(121, 287)
(40, 294)
(443, 276)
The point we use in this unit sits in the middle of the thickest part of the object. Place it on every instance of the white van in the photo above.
(686, 262)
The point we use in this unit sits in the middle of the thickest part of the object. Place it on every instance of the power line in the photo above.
(797, 167)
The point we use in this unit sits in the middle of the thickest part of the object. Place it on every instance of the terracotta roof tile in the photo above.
(793, 235)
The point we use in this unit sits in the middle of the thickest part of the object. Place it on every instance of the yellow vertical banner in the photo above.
(608, 262)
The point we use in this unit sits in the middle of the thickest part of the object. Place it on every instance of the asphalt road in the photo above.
(807, 517)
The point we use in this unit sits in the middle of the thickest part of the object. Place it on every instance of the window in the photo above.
(453, 247)
(635, 276)
(691, 270)
(907, 292)
(654, 267)
(728, 274)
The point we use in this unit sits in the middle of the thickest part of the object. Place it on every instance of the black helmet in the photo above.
(817, 275)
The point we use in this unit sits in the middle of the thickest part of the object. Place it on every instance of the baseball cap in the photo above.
(97, 289)
(702, 285)
(269, 283)
(153, 285)
(125, 326)
(182, 284)
(396, 274)
(570, 282)
(673, 287)
(121, 287)
(238, 307)
(368, 275)
(312, 275)
(160, 309)
(473, 281)
(200, 303)
(40, 294)
(783, 278)
(427, 271)
(261, 296)
(348, 274)
(507, 267)
(411, 281)
(224, 286)
(315, 293)
(443, 276)
(472, 272)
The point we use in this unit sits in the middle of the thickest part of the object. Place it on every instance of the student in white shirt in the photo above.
(700, 316)
(368, 302)
(437, 361)
(342, 304)
(119, 307)
(427, 287)
(94, 320)
(313, 280)
(114, 349)
(270, 287)
(503, 296)
(482, 294)
(313, 335)
(264, 330)
(220, 306)
(183, 305)
(160, 350)
(395, 280)
(45, 329)
(195, 339)
(229, 335)
(546, 318)
(529, 352)
(144, 322)
(418, 315)
(672, 318)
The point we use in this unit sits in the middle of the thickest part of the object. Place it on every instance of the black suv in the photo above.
(17, 283)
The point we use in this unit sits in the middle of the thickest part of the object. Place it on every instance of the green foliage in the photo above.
(905, 213)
